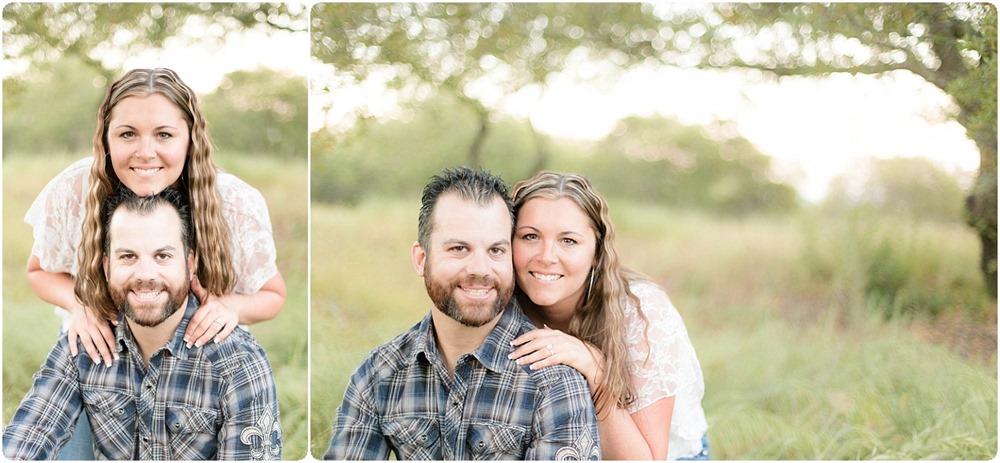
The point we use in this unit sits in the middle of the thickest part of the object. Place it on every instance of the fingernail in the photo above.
(117, 357)
(510, 356)
(197, 345)
(97, 361)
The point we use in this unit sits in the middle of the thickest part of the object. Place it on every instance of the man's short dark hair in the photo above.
(145, 205)
(473, 185)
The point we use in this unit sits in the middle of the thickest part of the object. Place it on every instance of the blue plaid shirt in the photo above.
(213, 402)
(401, 399)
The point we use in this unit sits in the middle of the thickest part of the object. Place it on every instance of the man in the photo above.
(445, 389)
(159, 400)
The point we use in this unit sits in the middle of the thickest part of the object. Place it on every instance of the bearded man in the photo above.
(446, 388)
(159, 399)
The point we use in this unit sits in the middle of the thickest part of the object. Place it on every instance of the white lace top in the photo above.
(56, 218)
(672, 368)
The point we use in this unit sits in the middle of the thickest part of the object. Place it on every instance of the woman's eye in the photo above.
(164, 135)
(529, 237)
(568, 241)
(127, 135)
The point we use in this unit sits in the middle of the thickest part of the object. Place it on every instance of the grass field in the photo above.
(30, 328)
(799, 359)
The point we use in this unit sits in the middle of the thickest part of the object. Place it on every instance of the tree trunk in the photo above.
(981, 210)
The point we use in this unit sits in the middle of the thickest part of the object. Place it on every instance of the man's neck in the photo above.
(455, 339)
(152, 338)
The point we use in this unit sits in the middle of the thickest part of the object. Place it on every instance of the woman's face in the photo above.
(554, 246)
(148, 140)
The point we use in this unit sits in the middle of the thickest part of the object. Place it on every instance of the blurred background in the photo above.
(814, 185)
(248, 62)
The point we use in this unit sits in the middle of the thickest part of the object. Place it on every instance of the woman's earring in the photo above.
(590, 287)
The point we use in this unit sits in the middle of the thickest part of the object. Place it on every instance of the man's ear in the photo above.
(192, 265)
(419, 257)
(105, 265)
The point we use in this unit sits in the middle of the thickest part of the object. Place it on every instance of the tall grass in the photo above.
(800, 358)
(26, 319)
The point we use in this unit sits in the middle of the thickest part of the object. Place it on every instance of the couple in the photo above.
(151, 137)
(583, 360)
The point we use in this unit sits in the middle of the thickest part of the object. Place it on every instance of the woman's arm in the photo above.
(219, 316)
(643, 435)
(57, 288)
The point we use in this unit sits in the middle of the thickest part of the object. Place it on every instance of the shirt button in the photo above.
(481, 444)
(120, 411)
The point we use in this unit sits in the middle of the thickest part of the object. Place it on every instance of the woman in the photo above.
(151, 135)
(613, 325)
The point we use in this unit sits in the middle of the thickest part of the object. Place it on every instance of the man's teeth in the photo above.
(478, 292)
(545, 277)
(144, 296)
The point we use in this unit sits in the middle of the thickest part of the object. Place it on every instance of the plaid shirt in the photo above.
(213, 402)
(401, 399)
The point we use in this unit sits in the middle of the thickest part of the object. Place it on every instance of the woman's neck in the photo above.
(550, 316)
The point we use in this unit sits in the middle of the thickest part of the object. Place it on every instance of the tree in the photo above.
(951, 45)
(98, 33)
(459, 47)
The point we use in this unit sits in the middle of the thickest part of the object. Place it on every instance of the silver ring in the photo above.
(549, 347)
(217, 321)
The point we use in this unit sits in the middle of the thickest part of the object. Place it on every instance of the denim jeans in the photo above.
(705, 453)
(81, 443)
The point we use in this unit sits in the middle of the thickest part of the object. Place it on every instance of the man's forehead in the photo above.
(162, 225)
(466, 219)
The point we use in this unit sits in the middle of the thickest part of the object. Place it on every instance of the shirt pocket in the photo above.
(193, 431)
(413, 438)
(493, 441)
(112, 417)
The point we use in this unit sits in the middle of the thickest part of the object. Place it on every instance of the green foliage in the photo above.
(259, 112)
(30, 123)
(42, 32)
(656, 160)
(902, 187)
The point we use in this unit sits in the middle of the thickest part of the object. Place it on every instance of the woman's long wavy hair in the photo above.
(211, 232)
(600, 314)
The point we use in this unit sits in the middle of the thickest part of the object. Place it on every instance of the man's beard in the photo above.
(148, 314)
(473, 314)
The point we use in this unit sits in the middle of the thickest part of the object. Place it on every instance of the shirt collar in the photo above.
(492, 353)
(176, 346)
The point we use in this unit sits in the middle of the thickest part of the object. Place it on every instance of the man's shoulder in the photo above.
(553, 376)
(393, 355)
(235, 351)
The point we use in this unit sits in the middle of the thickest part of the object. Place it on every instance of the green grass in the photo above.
(284, 186)
(799, 361)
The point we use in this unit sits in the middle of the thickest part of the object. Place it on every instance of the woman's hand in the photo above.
(545, 347)
(93, 331)
(213, 321)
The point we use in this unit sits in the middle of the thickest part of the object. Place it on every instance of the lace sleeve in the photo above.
(667, 363)
(253, 247)
(56, 218)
